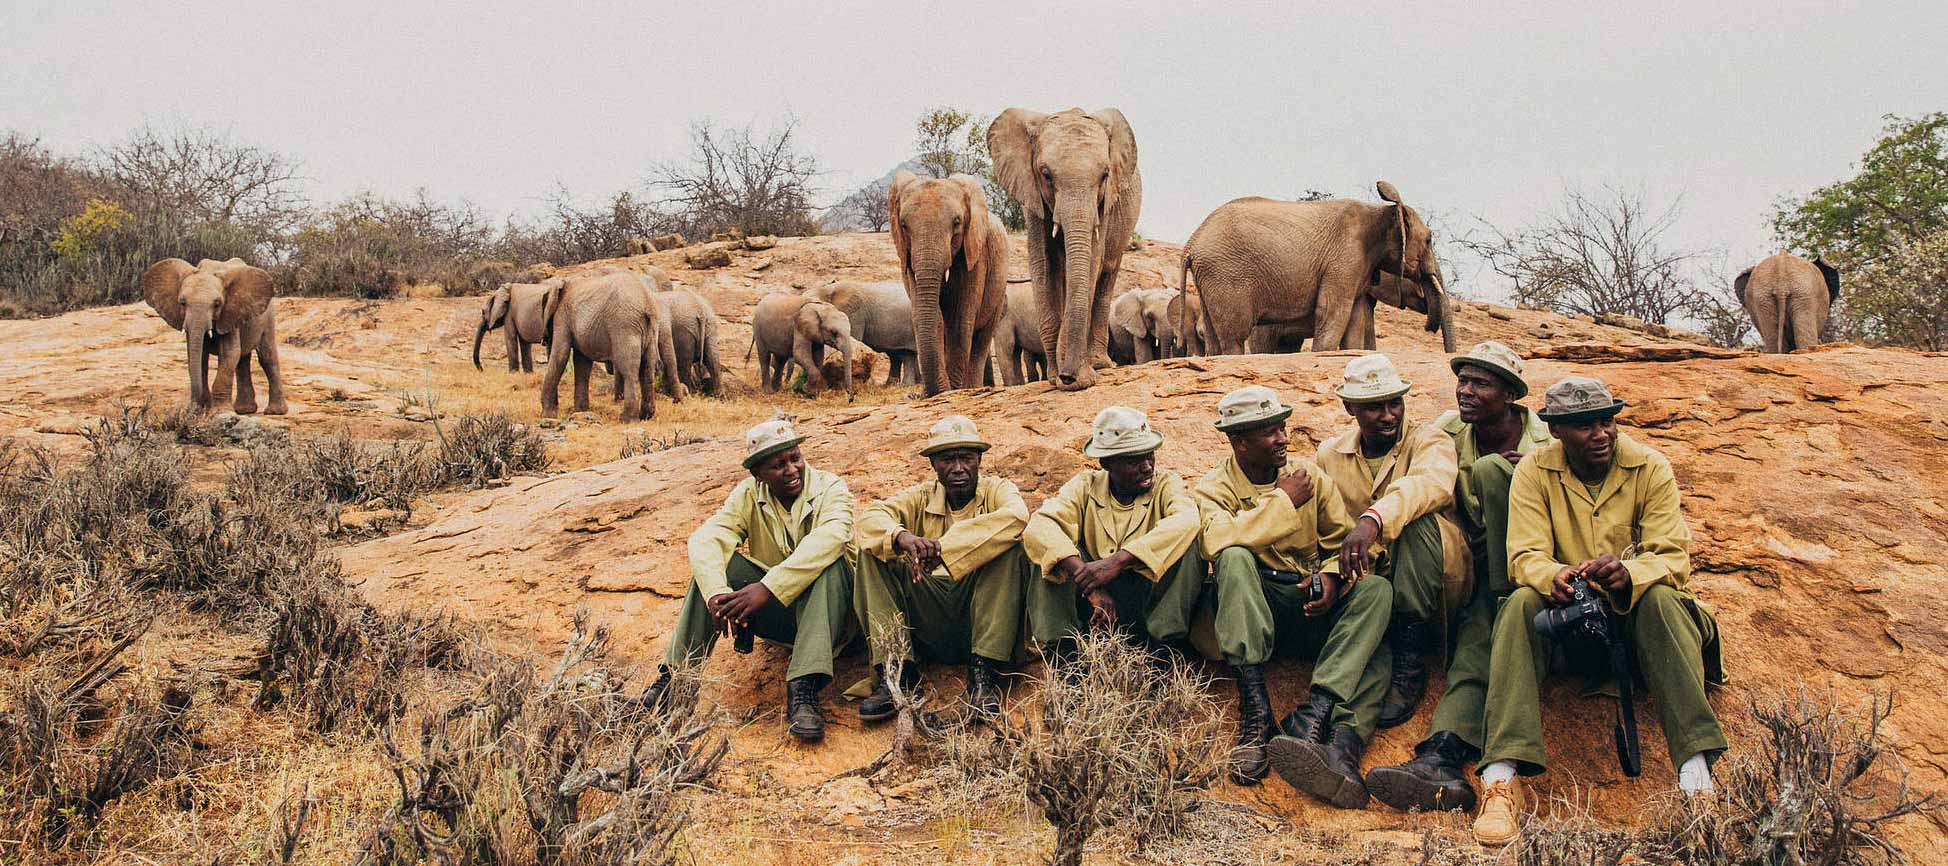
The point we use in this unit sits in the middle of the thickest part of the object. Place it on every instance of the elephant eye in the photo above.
(1046, 174)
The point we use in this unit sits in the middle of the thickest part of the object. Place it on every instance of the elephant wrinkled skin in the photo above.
(1788, 299)
(791, 329)
(954, 261)
(1018, 338)
(223, 309)
(610, 317)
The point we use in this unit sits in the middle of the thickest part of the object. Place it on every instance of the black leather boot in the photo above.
(1310, 721)
(1330, 772)
(658, 693)
(1436, 779)
(983, 690)
(801, 707)
(1408, 640)
(878, 706)
(1255, 725)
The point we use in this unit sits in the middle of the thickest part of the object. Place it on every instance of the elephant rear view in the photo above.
(1074, 174)
(693, 328)
(1018, 338)
(1788, 299)
(1268, 268)
(223, 309)
(606, 316)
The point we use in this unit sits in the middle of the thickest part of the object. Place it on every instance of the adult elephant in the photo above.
(1139, 319)
(608, 317)
(954, 261)
(520, 309)
(1018, 338)
(1788, 299)
(693, 331)
(882, 318)
(223, 309)
(1075, 175)
(788, 329)
(1270, 270)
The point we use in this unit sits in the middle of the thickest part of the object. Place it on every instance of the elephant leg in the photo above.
(810, 357)
(527, 356)
(1334, 317)
(982, 372)
(511, 336)
(273, 372)
(226, 370)
(1142, 347)
(1806, 319)
(1361, 328)
(910, 369)
(551, 379)
(666, 363)
(638, 385)
(615, 381)
(246, 402)
(584, 374)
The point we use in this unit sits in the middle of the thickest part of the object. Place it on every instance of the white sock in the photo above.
(1694, 775)
(1500, 771)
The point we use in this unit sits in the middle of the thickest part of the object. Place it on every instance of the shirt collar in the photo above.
(1099, 491)
(937, 497)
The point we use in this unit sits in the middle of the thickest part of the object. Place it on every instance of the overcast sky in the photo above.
(1481, 110)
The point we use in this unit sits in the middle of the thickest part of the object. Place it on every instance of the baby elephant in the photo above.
(605, 317)
(788, 329)
(223, 309)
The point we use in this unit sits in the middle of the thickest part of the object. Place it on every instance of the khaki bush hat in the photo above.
(767, 439)
(1249, 408)
(953, 431)
(1120, 431)
(1371, 379)
(1576, 399)
(1497, 359)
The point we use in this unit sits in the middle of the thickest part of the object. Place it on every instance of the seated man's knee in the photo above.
(1525, 603)
(1492, 468)
(1659, 604)
(1236, 557)
(1371, 589)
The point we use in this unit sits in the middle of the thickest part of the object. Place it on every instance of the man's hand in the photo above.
(1102, 610)
(739, 606)
(925, 553)
(1609, 572)
(1297, 486)
(1093, 576)
(1355, 553)
(1330, 586)
(715, 605)
(1559, 587)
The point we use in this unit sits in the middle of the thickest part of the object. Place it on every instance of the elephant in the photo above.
(1788, 299)
(1185, 317)
(954, 261)
(1272, 270)
(610, 317)
(882, 319)
(1139, 320)
(788, 328)
(223, 309)
(519, 309)
(693, 328)
(1075, 176)
(1018, 338)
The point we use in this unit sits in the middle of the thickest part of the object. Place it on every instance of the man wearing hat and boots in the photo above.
(1600, 507)
(1398, 479)
(791, 585)
(1116, 546)
(959, 587)
(1275, 535)
(1491, 433)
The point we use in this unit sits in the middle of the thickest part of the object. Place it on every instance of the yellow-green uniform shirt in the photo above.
(1261, 518)
(983, 529)
(1413, 479)
(1535, 435)
(793, 545)
(1084, 520)
(1554, 523)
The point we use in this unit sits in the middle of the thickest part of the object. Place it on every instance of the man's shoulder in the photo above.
(819, 482)
(1449, 422)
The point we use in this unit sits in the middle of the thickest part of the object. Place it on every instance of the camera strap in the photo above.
(1629, 755)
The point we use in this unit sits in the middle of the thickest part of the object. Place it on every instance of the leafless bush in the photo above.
(738, 178)
(201, 176)
(638, 444)
(1125, 742)
(482, 448)
(369, 247)
(864, 210)
(336, 661)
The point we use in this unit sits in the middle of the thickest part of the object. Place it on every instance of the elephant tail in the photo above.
(1183, 323)
(1780, 333)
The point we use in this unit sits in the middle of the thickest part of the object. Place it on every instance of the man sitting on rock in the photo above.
(1596, 506)
(1116, 546)
(1275, 534)
(1399, 480)
(958, 585)
(1491, 433)
(791, 584)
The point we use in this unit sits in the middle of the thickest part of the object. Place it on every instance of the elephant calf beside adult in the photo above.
(954, 261)
(608, 317)
(1018, 338)
(1139, 325)
(223, 309)
(692, 322)
(1788, 299)
(1269, 269)
(788, 329)
(882, 318)
(520, 310)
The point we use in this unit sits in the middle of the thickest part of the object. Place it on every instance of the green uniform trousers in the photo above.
(1675, 641)
(815, 625)
(1473, 631)
(1413, 564)
(947, 619)
(1352, 659)
(1159, 610)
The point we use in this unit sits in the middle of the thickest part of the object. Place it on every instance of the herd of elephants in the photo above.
(1258, 275)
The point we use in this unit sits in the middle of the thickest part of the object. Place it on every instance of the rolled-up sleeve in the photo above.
(822, 546)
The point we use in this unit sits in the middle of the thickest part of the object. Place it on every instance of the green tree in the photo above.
(950, 141)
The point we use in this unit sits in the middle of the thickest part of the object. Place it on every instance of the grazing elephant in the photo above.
(954, 261)
(520, 309)
(1018, 338)
(788, 328)
(1788, 299)
(882, 319)
(1188, 334)
(1271, 270)
(1074, 174)
(693, 330)
(1140, 320)
(608, 317)
(223, 309)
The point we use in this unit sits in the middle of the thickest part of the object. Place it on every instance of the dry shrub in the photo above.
(336, 662)
(483, 448)
(639, 444)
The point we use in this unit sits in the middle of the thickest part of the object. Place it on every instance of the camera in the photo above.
(1315, 588)
(1585, 619)
(1586, 623)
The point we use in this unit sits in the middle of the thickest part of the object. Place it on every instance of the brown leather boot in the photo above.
(1500, 821)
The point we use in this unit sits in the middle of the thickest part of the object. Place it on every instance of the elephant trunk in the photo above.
(478, 333)
(1078, 225)
(1440, 311)
(196, 328)
(927, 329)
(845, 353)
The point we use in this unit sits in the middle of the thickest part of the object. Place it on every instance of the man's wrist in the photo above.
(1379, 525)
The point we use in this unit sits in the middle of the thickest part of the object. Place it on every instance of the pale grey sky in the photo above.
(1482, 109)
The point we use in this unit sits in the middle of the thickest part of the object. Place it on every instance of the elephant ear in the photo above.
(1832, 275)
(1738, 285)
(162, 283)
(550, 304)
(1122, 144)
(975, 247)
(894, 192)
(1011, 145)
(246, 295)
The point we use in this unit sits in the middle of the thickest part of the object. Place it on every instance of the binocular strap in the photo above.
(1629, 755)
